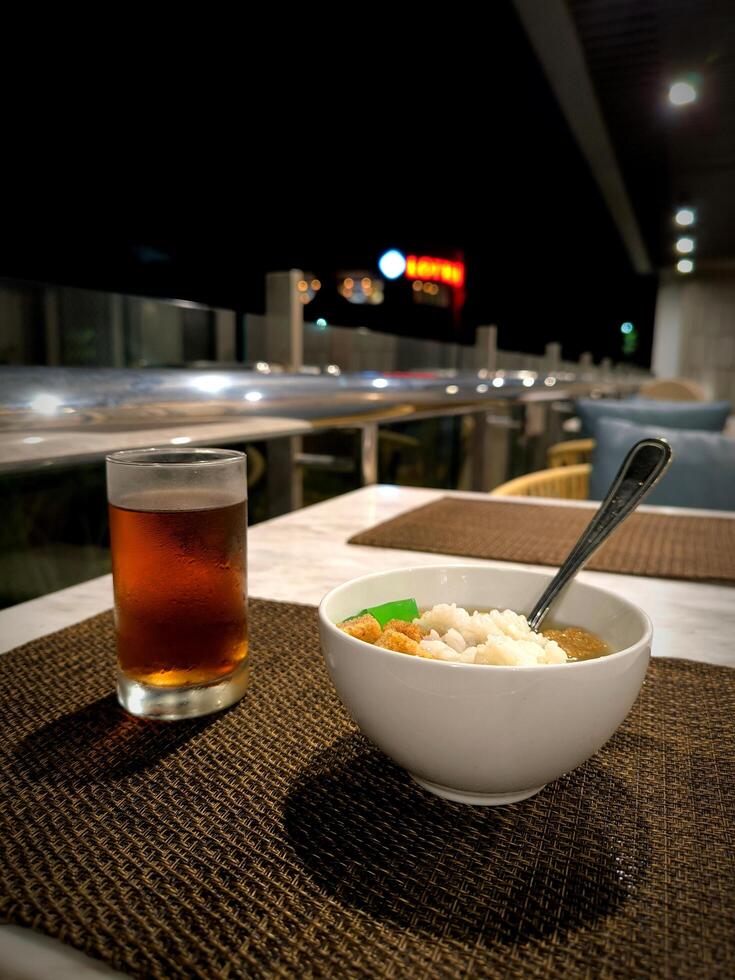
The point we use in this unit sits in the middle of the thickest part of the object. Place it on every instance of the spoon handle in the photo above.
(642, 468)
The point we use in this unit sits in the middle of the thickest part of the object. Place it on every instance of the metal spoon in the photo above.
(642, 468)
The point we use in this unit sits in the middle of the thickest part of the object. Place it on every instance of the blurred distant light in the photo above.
(349, 282)
(263, 366)
(253, 396)
(211, 383)
(682, 93)
(366, 282)
(451, 389)
(498, 382)
(684, 245)
(321, 323)
(46, 404)
(316, 285)
(550, 382)
(626, 327)
(302, 285)
(392, 263)
(333, 369)
(685, 217)
(685, 266)
(481, 389)
(417, 286)
(380, 382)
(180, 440)
(32, 440)
(528, 382)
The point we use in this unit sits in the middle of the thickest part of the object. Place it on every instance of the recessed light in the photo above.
(685, 266)
(684, 245)
(685, 217)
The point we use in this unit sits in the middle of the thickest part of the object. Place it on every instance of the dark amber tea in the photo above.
(179, 567)
(178, 524)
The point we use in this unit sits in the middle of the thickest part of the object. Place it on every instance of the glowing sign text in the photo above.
(435, 270)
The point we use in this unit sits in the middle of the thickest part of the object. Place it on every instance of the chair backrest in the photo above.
(564, 482)
(702, 472)
(711, 416)
(673, 390)
(570, 453)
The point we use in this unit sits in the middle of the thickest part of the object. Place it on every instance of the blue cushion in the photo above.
(674, 415)
(702, 472)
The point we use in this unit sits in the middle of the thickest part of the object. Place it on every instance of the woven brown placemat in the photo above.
(274, 840)
(662, 545)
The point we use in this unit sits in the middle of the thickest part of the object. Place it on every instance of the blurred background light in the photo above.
(253, 396)
(380, 382)
(46, 404)
(685, 266)
(682, 93)
(626, 327)
(392, 263)
(684, 217)
(211, 383)
(684, 245)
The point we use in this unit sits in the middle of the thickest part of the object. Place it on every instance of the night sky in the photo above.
(441, 143)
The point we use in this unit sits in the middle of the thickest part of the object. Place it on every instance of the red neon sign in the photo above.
(435, 270)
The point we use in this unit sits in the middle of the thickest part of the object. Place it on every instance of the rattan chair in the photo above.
(570, 453)
(566, 482)
(673, 389)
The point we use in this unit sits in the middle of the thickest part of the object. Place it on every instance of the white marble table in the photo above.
(301, 556)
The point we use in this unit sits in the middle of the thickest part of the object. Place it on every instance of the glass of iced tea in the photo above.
(178, 525)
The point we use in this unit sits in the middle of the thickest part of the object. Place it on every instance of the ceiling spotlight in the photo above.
(682, 93)
(684, 245)
(685, 266)
(684, 217)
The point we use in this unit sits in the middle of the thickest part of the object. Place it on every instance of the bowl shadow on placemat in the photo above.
(101, 743)
(375, 842)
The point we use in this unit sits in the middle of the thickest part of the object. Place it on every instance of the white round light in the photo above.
(684, 245)
(253, 396)
(685, 266)
(211, 383)
(528, 382)
(392, 263)
(682, 93)
(550, 382)
(684, 217)
(482, 389)
(451, 389)
(45, 404)
(498, 382)
(380, 382)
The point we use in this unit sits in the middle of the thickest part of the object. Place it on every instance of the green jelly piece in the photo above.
(403, 609)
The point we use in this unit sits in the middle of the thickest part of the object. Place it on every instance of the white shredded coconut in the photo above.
(500, 638)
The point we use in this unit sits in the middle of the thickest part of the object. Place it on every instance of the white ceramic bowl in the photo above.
(476, 733)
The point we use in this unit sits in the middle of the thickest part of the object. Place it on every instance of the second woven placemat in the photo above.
(273, 840)
(661, 545)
